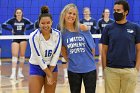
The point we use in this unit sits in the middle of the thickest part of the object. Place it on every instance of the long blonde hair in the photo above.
(62, 17)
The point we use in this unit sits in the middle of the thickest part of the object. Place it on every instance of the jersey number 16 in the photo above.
(48, 53)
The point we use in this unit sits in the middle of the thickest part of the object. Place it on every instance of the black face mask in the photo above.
(118, 16)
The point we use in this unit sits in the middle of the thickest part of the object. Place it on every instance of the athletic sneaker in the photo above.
(13, 76)
(20, 75)
(65, 73)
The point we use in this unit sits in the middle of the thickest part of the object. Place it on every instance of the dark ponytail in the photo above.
(45, 12)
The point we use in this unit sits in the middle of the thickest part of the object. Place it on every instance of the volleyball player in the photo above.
(105, 20)
(121, 51)
(87, 20)
(45, 44)
(18, 25)
(78, 50)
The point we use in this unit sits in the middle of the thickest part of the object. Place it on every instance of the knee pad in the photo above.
(22, 59)
(14, 59)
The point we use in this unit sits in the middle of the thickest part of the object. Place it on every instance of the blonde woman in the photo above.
(78, 51)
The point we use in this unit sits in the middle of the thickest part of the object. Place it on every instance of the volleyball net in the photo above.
(7, 37)
(5, 48)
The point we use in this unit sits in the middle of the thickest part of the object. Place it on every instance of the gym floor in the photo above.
(21, 85)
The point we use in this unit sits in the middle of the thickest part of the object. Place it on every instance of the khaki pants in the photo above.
(120, 80)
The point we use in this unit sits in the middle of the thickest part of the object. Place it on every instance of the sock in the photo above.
(65, 72)
(20, 70)
(14, 71)
(100, 69)
(100, 73)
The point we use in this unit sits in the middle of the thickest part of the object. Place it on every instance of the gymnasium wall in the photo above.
(31, 9)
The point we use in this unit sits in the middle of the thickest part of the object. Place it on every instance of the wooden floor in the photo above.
(21, 85)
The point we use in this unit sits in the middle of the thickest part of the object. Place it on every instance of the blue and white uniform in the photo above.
(79, 47)
(44, 52)
(18, 27)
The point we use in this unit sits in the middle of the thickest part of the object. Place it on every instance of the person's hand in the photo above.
(83, 27)
(50, 80)
(49, 76)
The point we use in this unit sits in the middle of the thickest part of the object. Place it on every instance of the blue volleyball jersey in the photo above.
(121, 40)
(18, 27)
(79, 47)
